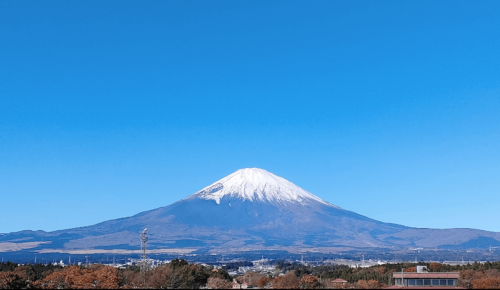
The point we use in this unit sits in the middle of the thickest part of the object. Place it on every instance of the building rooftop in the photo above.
(423, 287)
(431, 275)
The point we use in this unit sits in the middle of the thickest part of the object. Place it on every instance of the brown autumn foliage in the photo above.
(185, 275)
(21, 272)
(74, 277)
(370, 284)
(381, 270)
(411, 269)
(218, 283)
(252, 278)
(287, 281)
(466, 277)
(177, 274)
(336, 285)
(10, 280)
(493, 273)
(435, 266)
(479, 279)
(165, 276)
(362, 284)
(309, 282)
(486, 283)
(155, 278)
(264, 282)
(132, 279)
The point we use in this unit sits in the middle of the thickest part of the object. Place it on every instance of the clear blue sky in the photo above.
(387, 108)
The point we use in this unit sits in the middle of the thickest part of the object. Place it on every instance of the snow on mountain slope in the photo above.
(256, 184)
(252, 209)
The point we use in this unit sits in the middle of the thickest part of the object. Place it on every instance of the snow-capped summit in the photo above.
(251, 210)
(255, 184)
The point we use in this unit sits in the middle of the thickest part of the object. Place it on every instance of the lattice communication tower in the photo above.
(144, 239)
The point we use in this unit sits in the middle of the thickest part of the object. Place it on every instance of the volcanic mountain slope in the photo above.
(252, 209)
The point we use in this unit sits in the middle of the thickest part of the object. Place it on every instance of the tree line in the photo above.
(179, 274)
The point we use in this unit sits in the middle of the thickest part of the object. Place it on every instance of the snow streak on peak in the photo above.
(256, 184)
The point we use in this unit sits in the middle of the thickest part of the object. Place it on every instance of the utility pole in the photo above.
(87, 260)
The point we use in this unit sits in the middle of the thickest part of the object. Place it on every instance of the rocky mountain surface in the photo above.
(249, 210)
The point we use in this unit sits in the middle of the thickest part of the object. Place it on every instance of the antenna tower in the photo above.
(144, 239)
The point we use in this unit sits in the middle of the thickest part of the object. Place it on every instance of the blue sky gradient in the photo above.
(390, 109)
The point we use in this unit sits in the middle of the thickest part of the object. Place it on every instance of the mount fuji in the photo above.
(248, 210)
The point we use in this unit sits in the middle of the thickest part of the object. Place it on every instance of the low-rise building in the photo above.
(236, 284)
(337, 283)
(426, 279)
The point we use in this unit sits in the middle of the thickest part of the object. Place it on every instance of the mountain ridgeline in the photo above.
(249, 210)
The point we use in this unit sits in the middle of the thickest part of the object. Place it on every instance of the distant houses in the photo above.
(237, 285)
